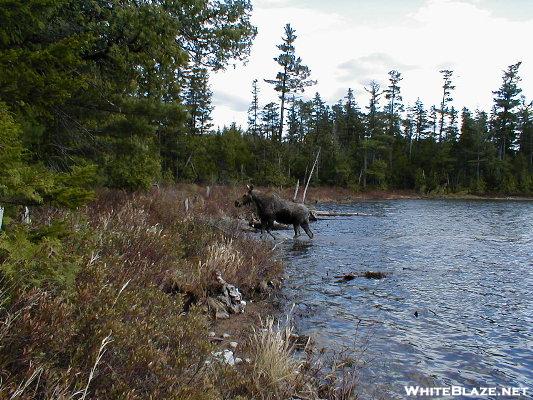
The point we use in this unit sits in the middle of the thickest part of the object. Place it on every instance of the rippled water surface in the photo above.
(464, 267)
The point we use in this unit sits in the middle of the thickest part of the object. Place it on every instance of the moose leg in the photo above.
(305, 225)
(296, 230)
(270, 225)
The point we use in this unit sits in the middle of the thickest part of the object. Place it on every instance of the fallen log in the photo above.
(340, 214)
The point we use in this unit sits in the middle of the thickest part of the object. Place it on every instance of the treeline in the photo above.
(383, 144)
(388, 145)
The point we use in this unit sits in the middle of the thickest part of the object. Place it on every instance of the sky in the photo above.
(348, 43)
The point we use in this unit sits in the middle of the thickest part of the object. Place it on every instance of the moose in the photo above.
(272, 208)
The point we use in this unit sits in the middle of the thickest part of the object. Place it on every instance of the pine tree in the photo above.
(198, 100)
(409, 125)
(432, 121)
(394, 106)
(293, 122)
(451, 128)
(372, 118)
(270, 118)
(421, 120)
(525, 129)
(506, 101)
(253, 111)
(447, 88)
(354, 129)
(293, 77)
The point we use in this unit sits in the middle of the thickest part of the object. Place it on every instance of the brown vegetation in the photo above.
(108, 302)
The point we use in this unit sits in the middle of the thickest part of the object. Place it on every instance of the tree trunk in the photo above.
(296, 190)
(310, 176)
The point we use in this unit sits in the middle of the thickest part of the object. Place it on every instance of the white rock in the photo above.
(248, 360)
(212, 334)
(225, 335)
(238, 360)
(233, 344)
(225, 356)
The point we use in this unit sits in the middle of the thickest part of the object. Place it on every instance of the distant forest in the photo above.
(116, 93)
(384, 143)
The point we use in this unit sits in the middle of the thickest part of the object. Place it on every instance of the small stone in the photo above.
(221, 314)
(238, 360)
(233, 344)
(263, 287)
(248, 360)
(212, 334)
(225, 335)
(225, 356)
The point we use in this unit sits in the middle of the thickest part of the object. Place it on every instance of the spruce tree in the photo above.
(447, 88)
(506, 102)
(394, 106)
(421, 119)
(525, 129)
(270, 118)
(197, 98)
(293, 76)
(253, 111)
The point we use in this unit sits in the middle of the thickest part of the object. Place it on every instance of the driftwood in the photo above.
(339, 214)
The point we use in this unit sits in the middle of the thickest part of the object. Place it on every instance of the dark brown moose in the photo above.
(271, 207)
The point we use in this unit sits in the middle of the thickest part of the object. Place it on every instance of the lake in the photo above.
(455, 307)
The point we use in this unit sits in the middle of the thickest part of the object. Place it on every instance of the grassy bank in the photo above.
(109, 301)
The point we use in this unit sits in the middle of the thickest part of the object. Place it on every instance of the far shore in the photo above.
(327, 194)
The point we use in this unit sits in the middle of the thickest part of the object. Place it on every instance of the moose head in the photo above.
(246, 198)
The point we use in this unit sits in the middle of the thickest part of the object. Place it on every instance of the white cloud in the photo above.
(456, 34)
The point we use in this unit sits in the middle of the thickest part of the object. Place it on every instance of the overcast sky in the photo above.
(347, 43)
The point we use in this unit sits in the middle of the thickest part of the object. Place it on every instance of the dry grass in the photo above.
(143, 262)
(275, 370)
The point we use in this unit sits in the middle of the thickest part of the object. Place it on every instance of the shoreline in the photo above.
(342, 195)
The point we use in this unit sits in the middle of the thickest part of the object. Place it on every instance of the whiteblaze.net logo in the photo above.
(465, 392)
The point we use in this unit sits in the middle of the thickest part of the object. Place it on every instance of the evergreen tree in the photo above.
(506, 101)
(525, 129)
(409, 125)
(253, 111)
(372, 118)
(433, 121)
(293, 122)
(353, 126)
(451, 128)
(293, 76)
(197, 98)
(270, 118)
(394, 106)
(447, 88)
(421, 120)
